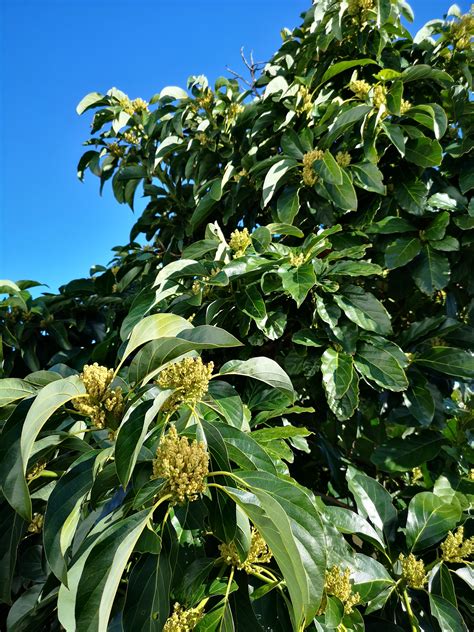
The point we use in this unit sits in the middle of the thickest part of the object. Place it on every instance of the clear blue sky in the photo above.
(53, 52)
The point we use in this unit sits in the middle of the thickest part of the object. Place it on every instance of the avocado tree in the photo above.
(262, 419)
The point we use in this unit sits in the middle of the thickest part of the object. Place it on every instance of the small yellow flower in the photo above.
(360, 88)
(306, 100)
(455, 548)
(131, 138)
(413, 571)
(471, 474)
(239, 241)
(360, 7)
(462, 32)
(100, 399)
(338, 584)
(296, 260)
(416, 474)
(116, 150)
(139, 105)
(379, 95)
(309, 176)
(36, 471)
(182, 620)
(36, 524)
(405, 106)
(343, 158)
(259, 553)
(189, 378)
(183, 464)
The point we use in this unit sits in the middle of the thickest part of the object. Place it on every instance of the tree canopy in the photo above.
(261, 419)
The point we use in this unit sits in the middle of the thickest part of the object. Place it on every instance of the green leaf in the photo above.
(432, 271)
(429, 520)
(355, 268)
(449, 361)
(93, 99)
(448, 617)
(8, 287)
(274, 177)
(401, 251)
(343, 195)
(132, 434)
(103, 570)
(12, 389)
(437, 228)
(173, 92)
(345, 121)
(380, 365)
(338, 370)
(63, 512)
(364, 309)
(374, 503)
(349, 522)
(403, 454)
(263, 369)
(153, 327)
(253, 304)
(308, 338)
(341, 66)
(48, 401)
(369, 177)
(424, 152)
(288, 205)
(12, 528)
(291, 526)
(148, 593)
(411, 195)
(243, 449)
(390, 225)
(298, 281)
(431, 116)
(419, 400)
(166, 147)
(328, 169)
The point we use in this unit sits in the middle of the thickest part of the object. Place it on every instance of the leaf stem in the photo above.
(411, 616)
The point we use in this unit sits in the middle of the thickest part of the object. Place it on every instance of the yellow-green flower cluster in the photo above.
(306, 100)
(379, 96)
(139, 105)
(416, 474)
(455, 548)
(405, 106)
(184, 464)
(100, 398)
(343, 158)
(413, 571)
(309, 176)
(234, 110)
(360, 88)
(296, 260)
(189, 378)
(182, 620)
(116, 150)
(338, 584)
(259, 553)
(36, 470)
(359, 7)
(131, 137)
(462, 32)
(36, 524)
(239, 241)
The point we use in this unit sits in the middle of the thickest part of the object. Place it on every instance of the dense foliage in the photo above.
(262, 419)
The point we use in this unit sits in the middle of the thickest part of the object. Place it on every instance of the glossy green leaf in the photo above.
(447, 615)
(403, 454)
(298, 281)
(449, 361)
(274, 178)
(401, 251)
(381, 366)
(429, 520)
(263, 369)
(364, 309)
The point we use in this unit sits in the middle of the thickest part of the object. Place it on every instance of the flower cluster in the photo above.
(413, 571)
(416, 474)
(462, 32)
(309, 177)
(343, 158)
(36, 524)
(338, 584)
(182, 620)
(116, 150)
(379, 95)
(139, 105)
(306, 100)
(455, 548)
(239, 241)
(189, 378)
(405, 106)
(183, 464)
(360, 8)
(259, 553)
(360, 88)
(234, 110)
(296, 260)
(36, 471)
(131, 137)
(100, 400)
